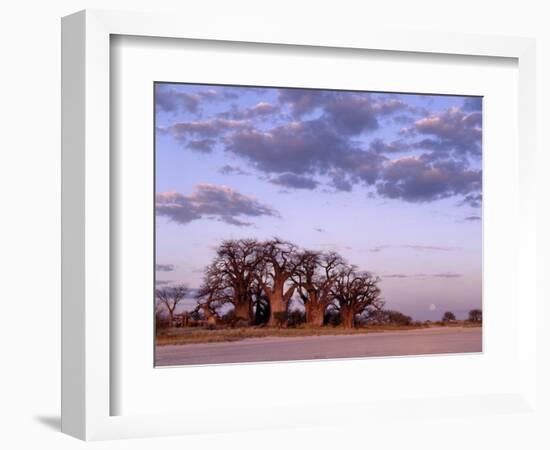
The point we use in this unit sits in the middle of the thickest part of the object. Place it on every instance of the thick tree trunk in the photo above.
(315, 313)
(242, 311)
(348, 317)
(278, 301)
(277, 308)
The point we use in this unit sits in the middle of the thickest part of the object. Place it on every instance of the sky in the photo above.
(393, 182)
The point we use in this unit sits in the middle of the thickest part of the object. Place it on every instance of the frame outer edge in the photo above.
(85, 139)
(97, 227)
(73, 100)
(527, 166)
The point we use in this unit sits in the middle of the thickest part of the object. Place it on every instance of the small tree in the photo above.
(475, 315)
(169, 298)
(448, 317)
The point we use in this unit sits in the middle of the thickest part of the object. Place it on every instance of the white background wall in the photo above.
(30, 188)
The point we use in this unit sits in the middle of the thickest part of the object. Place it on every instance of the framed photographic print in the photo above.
(252, 210)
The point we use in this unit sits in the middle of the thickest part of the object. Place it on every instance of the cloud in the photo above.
(379, 248)
(318, 137)
(420, 248)
(380, 146)
(202, 145)
(304, 148)
(451, 131)
(355, 114)
(403, 119)
(261, 109)
(472, 218)
(340, 182)
(433, 248)
(293, 181)
(423, 275)
(418, 179)
(164, 267)
(473, 200)
(173, 100)
(205, 129)
(211, 202)
(302, 101)
(319, 230)
(232, 170)
(187, 98)
(163, 282)
(312, 147)
(351, 113)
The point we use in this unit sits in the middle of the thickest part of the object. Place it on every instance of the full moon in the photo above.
(432, 307)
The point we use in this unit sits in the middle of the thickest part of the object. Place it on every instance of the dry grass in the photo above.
(180, 336)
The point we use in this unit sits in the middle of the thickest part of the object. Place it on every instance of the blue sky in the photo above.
(390, 181)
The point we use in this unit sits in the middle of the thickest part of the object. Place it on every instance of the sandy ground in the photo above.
(390, 343)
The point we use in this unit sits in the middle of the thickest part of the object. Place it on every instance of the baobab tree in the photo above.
(314, 278)
(208, 312)
(355, 293)
(215, 289)
(230, 276)
(170, 297)
(279, 262)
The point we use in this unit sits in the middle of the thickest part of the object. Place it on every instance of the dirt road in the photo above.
(391, 343)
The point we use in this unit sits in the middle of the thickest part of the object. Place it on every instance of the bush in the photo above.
(332, 317)
(281, 318)
(161, 322)
(228, 319)
(397, 318)
(390, 317)
(475, 315)
(296, 318)
(448, 317)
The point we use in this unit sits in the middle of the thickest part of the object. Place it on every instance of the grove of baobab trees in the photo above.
(259, 279)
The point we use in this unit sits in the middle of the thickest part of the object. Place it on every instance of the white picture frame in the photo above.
(87, 324)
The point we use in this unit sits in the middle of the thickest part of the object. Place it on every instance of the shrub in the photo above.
(296, 318)
(228, 319)
(448, 317)
(161, 321)
(281, 318)
(390, 317)
(398, 318)
(332, 317)
(475, 315)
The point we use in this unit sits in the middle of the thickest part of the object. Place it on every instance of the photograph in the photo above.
(298, 223)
